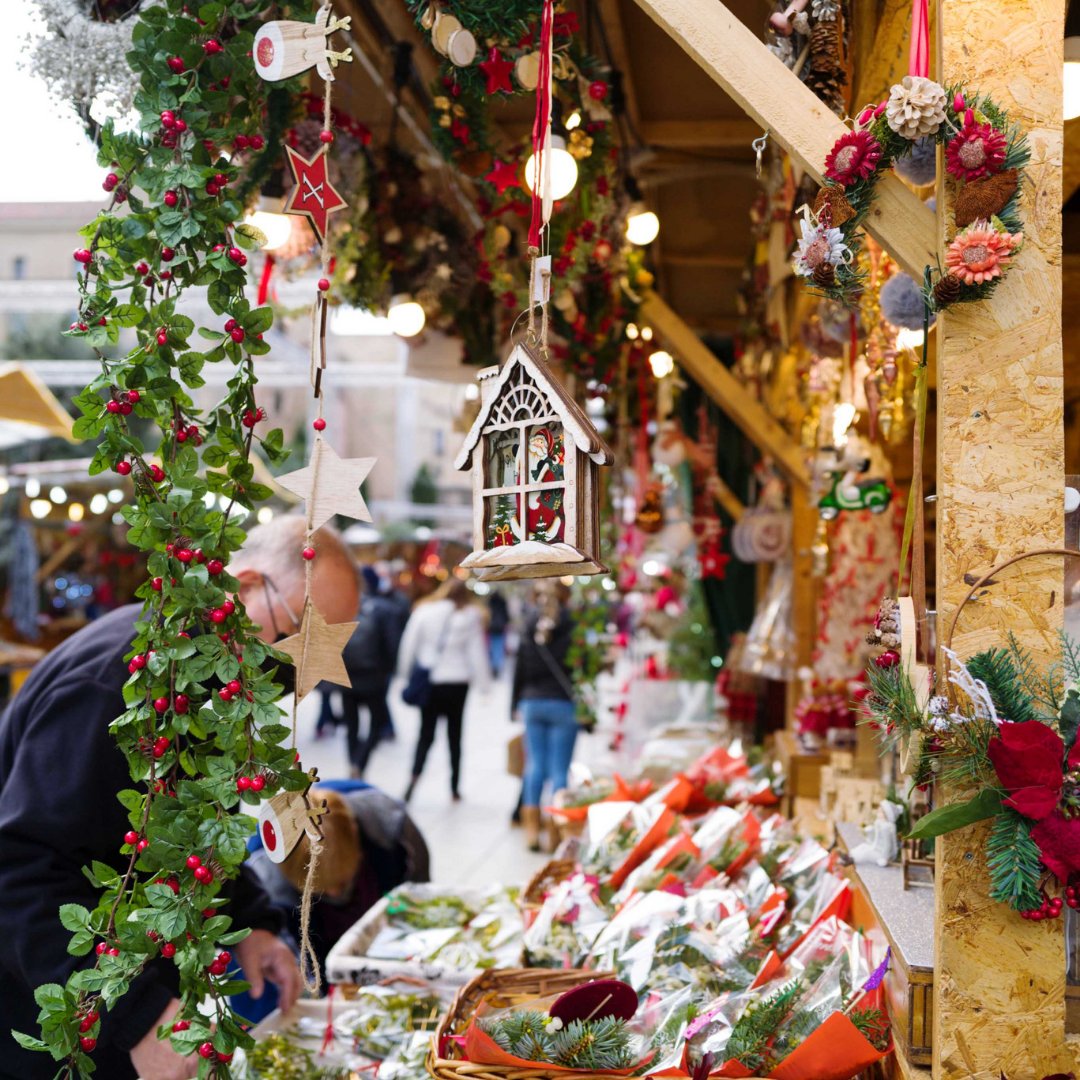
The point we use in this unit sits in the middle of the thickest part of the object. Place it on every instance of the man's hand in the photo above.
(155, 1059)
(264, 956)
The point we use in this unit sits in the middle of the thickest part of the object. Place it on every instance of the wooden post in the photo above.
(999, 1005)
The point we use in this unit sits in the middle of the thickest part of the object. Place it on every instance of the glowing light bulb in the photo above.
(406, 316)
(40, 508)
(562, 165)
(662, 363)
(632, 331)
(277, 228)
(99, 504)
(642, 227)
(115, 495)
(76, 511)
(843, 417)
(573, 120)
(5, 485)
(646, 333)
(265, 515)
(58, 495)
(33, 488)
(910, 339)
(1071, 78)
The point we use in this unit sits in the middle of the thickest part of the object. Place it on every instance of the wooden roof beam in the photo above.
(759, 83)
(733, 398)
(735, 134)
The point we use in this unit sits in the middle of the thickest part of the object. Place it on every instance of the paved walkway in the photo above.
(471, 842)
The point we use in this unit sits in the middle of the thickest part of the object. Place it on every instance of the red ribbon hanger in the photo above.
(919, 55)
(541, 126)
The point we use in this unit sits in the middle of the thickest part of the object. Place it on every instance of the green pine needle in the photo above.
(758, 1024)
(996, 668)
(1012, 858)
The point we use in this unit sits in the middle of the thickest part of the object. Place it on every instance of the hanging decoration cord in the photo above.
(541, 183)
(759, 151)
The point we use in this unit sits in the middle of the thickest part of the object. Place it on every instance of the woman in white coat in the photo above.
(446, 636)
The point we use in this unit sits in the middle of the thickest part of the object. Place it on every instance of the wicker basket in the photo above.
(549, 875)
(510, 987)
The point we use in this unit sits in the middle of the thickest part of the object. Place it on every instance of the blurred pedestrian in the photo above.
(543, 693)
(498, 624)
(370, 659)
(444, 649)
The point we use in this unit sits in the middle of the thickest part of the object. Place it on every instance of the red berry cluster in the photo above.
(252, 417)
(220, 966)
(243, 142)
(251, 783)
(172, 126)
(232, 327)
(1051, 907)
(208, 1053)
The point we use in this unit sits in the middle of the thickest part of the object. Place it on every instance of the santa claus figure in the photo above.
(544, 515)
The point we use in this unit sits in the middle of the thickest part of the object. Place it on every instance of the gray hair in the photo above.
(274, 549)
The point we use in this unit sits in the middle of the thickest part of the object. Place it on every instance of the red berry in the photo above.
(87, 1044)
(240, 142)
(225, 1058)
(214, 567)
(193, 861)
(123, 467)
(185, 555)
(888, 659)
(237, 335)
(112, 406)
(162, 337)
(171, 198)
(142, 845)
(131, 837)
(225, 956)
(83, 255)
(138, 662)
(235, 254)
(168, 118)
(114, 951)
(228, 607)
(211, 47)
(206, 1050)
(165, 275)
(157, 584)
(258, 783)
(598, 90)
(181, 1025)
(161, 704)
(204, 875)
(157, 473)
(326, 136)
(167, 254)
(308, 553)
(217, 968)
(110, 181)
(257, 142)
(319, 424)
(212, 189)
(233, 686)
(224, 695)
(180, 125)
(243, 783)
(168, 950)
(221, 179)
(85, 1024)
(230, 326)
(101, 949)
(218, 616)
(181, 703)
(176, 65)
(134, 396)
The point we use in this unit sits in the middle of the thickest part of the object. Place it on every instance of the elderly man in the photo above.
(60, 772)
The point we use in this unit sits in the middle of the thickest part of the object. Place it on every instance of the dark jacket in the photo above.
(392, 852)
(371, 653)
(538, 668)
(60, 772)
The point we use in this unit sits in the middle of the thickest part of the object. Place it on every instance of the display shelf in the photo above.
(802, 769)
(906, 920)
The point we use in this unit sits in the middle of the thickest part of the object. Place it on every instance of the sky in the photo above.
(58, 162)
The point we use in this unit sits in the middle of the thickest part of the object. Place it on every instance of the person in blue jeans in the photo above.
(543, 694)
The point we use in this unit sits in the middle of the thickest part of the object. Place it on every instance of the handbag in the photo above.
(417, 689)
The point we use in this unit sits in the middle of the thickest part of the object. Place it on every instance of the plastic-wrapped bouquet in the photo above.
(381, 1019)
(280, 1057)
(566, 925)
(621, 837)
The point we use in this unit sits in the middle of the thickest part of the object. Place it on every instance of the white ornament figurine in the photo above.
(285, 48)
(881, 845)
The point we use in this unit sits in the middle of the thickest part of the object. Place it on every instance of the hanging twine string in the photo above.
(309, 962)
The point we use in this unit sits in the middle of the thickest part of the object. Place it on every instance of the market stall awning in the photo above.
(28, 408)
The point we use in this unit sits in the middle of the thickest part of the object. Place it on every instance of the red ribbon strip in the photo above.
(264, 281)
(541, 122)
(328, 1034)
(919, 56)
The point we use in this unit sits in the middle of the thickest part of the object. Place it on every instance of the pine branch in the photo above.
(1043, 689)
(758, 1024)
(1012, 859)
(996, 669)
(1070, 658)
(873, 1025)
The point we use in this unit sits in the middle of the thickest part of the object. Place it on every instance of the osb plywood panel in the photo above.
(999, 990)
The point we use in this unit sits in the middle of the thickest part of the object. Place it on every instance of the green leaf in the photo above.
(28, 1042)
(74, 917)
(258, 321)
(128, 314)
(945, 819)
(250, 237)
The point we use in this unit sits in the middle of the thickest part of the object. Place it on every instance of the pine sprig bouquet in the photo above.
(602, 1045)
(1006, 737)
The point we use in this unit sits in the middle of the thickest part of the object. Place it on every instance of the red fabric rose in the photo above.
(1028, 760)
(1058, 839)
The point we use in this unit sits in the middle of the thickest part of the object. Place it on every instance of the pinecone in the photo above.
(873, 638)
(826, 10)
(824, 46)
(947, 291)
(824, 275)
(829, 87)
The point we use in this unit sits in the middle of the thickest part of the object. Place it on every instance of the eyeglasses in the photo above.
(270, 588)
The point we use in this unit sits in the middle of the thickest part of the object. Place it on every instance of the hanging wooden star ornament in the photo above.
(285, 818)
(316, 651)
(330, 484)
(497, 72)
(286, 47)
(313, 196)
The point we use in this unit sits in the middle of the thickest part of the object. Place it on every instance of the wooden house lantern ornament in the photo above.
(534, 457)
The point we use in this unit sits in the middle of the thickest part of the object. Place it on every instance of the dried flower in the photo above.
(916, 107)
(981, 252)
(854, 156)
(978, 150)
(824, 10)
(818, 245)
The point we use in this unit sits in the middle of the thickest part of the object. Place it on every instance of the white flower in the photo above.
(916, 107)
(819, 245)
(553, 1023)
(824, 10)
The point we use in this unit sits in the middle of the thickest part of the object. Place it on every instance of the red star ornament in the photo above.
(713, 563)
(313, 196)
(497, 72)
(504, 175)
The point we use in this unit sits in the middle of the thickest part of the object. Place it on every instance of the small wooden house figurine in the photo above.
(534, 457)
